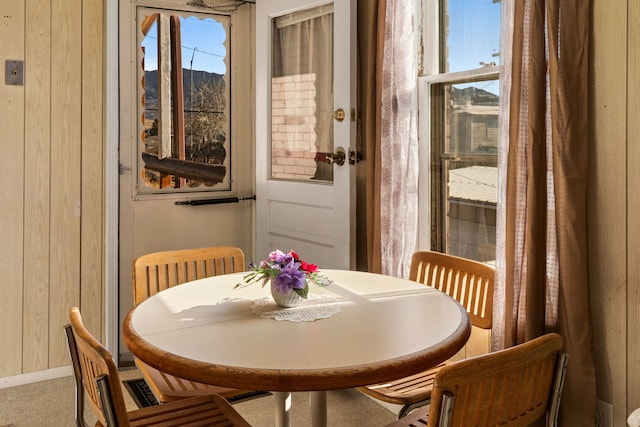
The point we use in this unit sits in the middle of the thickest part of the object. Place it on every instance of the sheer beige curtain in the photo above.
(399, 140)
(387, 43)
(542, 281)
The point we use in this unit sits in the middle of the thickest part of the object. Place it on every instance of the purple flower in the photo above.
(290, 277)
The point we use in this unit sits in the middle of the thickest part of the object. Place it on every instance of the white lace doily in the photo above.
(313, 308)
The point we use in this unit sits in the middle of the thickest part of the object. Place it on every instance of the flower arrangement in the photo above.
(287, 272)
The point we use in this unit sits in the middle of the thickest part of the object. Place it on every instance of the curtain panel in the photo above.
(391, 135)
(542, 280)
(371, 23)
(399, 140)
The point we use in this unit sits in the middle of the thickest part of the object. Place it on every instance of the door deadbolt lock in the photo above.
(338, 115)
(354, 157)
(338, 157)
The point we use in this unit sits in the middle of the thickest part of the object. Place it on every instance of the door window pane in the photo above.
(302, 95)
(185, 121)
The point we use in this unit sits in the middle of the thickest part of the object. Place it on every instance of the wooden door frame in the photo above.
(112, 176)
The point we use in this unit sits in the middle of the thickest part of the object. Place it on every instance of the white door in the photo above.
(305, 92)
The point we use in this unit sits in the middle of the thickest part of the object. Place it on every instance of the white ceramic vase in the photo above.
(290, 299)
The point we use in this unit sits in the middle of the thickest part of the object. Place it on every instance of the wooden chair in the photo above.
(97, 376)
(156, 271)
(512, 387)
(470, 283)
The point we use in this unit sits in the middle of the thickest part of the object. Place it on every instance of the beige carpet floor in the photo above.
(50, 403)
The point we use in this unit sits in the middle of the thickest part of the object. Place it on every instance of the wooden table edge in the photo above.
(296, 380)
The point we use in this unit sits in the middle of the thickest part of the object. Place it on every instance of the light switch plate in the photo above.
(604, 414)
(14, 73)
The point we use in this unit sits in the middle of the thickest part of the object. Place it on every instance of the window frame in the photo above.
(138, 193)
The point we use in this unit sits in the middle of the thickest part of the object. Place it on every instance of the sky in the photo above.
(474, 33)
(474, 37)
(203, 46)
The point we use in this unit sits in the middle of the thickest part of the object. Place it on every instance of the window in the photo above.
(184, 137)
(459, 127)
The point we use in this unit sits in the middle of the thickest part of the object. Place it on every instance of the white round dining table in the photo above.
(382, 328)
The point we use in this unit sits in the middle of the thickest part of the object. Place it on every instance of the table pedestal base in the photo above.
(317, 403)
(283, 408)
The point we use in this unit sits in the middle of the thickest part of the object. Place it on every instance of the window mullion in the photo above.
(486, 72)
(164, 87)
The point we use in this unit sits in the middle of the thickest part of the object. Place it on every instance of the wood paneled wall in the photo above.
(614, 202)
(633, 208)
(51, 221)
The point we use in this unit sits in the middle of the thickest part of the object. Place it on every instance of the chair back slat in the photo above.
(512, 387)
(469, 282)
(157, 271)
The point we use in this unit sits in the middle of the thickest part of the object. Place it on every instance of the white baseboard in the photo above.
(34, 377)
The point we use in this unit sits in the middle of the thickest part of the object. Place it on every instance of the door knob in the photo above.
(338, 157)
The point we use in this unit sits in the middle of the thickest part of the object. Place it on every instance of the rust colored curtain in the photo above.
(387, 43)
(371, 15)
(542, 280)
